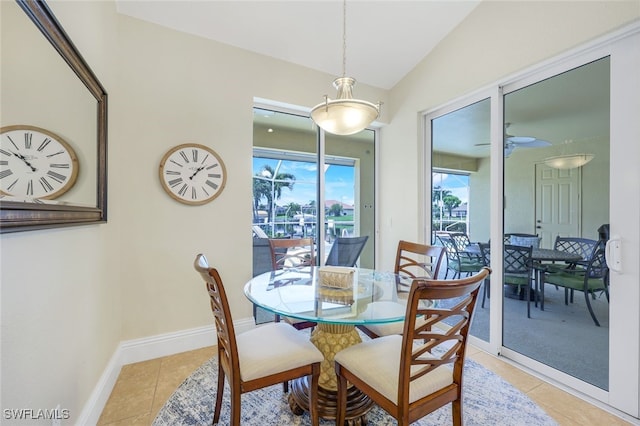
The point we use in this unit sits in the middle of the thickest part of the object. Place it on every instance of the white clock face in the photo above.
(192, 174)
(35, 163)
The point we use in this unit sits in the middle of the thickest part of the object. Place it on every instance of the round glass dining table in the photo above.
(359, 297)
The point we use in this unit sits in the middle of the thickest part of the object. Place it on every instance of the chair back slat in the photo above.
(225, 332)
(292, 252)
(597, 266)
(416, 260)
(517, 259)
(426, 346)
(583, 247)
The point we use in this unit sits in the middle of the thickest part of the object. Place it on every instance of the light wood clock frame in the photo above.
(192, 174)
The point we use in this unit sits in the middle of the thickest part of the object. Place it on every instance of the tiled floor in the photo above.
(143, 388)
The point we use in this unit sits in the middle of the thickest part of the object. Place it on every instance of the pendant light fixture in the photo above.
(568, 161)
(344, 115)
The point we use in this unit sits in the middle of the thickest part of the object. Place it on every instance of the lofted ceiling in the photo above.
(385, 39)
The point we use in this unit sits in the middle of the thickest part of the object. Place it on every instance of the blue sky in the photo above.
(339, 181)
(457, 184)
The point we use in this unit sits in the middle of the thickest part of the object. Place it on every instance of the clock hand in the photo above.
(196, 172)
(23, 158)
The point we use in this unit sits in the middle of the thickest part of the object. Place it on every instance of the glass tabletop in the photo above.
(357, 296)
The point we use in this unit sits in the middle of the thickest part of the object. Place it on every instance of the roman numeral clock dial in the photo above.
(35, 163)
(192, 174)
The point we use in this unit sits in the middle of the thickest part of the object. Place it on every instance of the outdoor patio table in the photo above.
(538, 255)
(300, 293)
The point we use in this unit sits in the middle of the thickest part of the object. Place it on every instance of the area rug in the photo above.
(488, 400)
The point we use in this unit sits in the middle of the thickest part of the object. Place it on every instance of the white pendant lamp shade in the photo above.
(345, 115)
(568, 161)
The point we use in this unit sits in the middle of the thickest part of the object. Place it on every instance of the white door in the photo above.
(558, 207)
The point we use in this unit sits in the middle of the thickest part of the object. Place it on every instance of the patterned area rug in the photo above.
(489, 400)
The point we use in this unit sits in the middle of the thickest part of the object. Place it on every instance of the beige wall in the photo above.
(69, 296)
(61, 290)
(496, 40)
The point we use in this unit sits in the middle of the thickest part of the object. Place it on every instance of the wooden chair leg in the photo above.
(219, 392)
(313, 396)
(235, 407)
(456, 412)
(341, 400)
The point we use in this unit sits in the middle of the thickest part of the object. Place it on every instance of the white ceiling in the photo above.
(385, 39)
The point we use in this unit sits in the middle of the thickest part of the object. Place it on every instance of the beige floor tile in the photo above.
(133, 392)
(174, 370)
(143, 388)
(518, 378)
(142, 420)
(572, 408)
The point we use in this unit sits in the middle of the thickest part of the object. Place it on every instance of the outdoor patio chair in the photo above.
(413, 374)
(345, 251)
(580, 246)
(458, 260)
(261, 357)
(518, 270)
(589, 280)
(413, 260)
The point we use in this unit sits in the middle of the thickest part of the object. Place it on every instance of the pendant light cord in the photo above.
(344, 38)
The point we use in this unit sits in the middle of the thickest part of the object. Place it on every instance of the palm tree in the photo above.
(267, 184)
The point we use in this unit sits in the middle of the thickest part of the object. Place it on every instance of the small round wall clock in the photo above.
(35, 163)
(192, 174)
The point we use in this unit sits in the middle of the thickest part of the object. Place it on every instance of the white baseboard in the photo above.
(144, 349)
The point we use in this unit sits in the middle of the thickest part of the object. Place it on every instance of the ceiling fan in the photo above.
(512, 142)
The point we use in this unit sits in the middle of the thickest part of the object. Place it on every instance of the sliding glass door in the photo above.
(552, 127)
(460, 165)
(308, 184)
(562, 162)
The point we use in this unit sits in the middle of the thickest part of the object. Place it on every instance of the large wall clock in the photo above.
(35, 163)
(192, 173)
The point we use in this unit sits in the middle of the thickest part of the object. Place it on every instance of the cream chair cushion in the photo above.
(272, 348)
(377, 363)
(394, 308)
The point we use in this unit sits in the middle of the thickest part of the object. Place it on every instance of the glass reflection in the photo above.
(460, 189)
(571, 112)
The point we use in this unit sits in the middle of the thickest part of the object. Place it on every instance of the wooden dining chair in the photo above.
(413, 260)
(412, 374)
(292, 252)
(261, 357)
